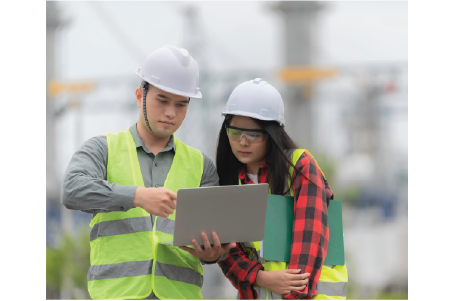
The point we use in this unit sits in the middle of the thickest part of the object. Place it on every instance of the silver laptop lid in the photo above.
(235, 213)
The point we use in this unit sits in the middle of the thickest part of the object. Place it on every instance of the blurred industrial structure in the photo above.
(345, 114)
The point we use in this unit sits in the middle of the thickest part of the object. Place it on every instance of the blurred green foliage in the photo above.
(326, 164)
(380, 295)
(349, 194)
(405, 176)
(67, 264)
(391, 296)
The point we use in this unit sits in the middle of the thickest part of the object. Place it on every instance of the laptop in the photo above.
(234, 213)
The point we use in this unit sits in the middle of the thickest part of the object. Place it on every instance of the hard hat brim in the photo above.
(252, 115)
(173, 91)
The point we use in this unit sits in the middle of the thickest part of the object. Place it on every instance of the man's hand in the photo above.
(157, 201)
(209, 253)
(283, 281)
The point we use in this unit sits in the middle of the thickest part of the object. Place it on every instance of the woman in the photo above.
(253, 147)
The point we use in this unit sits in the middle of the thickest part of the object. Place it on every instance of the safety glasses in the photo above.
(253, 136)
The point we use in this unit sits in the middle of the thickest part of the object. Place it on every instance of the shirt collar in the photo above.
(243, 174)
(140, 143)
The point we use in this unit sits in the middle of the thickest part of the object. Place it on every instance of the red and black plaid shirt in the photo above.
(309, 238)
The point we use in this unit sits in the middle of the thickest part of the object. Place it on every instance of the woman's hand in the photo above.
(283, 281)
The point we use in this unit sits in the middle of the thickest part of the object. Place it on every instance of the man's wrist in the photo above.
(137, 197)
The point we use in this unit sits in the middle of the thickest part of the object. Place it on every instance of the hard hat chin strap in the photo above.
(145, 87)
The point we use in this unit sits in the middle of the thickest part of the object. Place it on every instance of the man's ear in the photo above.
(139, 97)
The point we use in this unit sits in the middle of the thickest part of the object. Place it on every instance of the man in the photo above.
(129, 180)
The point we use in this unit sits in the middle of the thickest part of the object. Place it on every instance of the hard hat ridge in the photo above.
(181, 54)
(173, 70)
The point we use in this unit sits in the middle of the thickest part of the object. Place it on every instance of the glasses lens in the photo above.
(252, 137)
(233, 134)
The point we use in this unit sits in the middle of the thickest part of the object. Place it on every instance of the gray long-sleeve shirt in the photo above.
(85, 186)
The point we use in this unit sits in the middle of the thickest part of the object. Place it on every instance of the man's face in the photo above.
(165, 111)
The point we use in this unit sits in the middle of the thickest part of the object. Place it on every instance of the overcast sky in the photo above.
(236, 34)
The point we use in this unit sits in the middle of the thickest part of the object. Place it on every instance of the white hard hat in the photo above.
(256, 99)
(173, 70)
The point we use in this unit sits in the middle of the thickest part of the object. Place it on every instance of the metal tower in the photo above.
(54, 22)
(299, 44)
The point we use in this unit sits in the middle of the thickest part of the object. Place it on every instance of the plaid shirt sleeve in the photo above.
(241, 272)
(311, 233)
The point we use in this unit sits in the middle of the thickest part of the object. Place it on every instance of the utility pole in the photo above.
(53, 23)
(193, 40)
(371, 126)
(299, 19)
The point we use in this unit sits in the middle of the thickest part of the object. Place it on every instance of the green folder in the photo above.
(278, 230)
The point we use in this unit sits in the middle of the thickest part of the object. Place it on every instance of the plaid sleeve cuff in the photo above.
(247, 291)
(254, 273)
(293, 295)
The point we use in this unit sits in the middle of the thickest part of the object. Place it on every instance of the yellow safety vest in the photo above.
(127, 260)
(333, 281)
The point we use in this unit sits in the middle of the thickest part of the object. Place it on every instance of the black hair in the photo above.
(228, 167)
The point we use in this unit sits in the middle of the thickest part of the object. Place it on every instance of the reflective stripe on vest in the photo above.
(122, 226)
(332, 288)
(118, 270)
(333, 281)
(127, 260)
(139, 268)
(165, 225)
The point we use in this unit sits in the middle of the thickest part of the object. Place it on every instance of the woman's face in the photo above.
(248, 152)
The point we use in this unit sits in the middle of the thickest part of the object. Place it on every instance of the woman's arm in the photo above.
(241, 272)
(310, 233)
